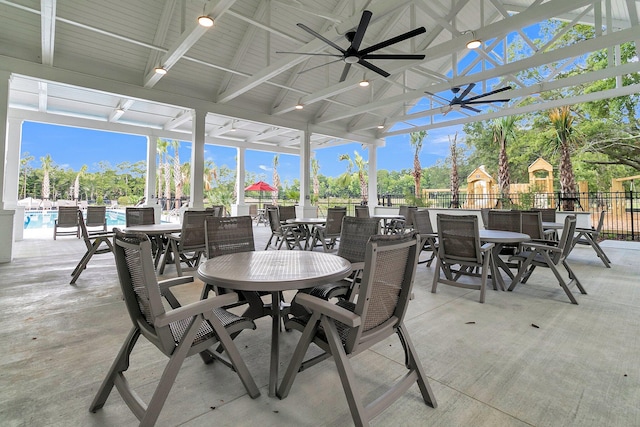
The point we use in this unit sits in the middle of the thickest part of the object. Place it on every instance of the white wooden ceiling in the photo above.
(90, 63)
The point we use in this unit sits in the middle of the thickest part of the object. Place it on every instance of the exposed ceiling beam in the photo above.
(576, 49)
(186, 42)
(47, 30)
(594, 96)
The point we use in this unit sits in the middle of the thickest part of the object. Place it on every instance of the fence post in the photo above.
(633, 234)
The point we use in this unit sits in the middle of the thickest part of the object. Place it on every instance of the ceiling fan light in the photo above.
(380, 126)
(205, 21)
(160, 70)
(364, 83)
(474, 44)
(299, 106)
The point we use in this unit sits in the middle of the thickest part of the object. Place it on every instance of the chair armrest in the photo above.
(487, 246)
(541, 246)
(193, 309)
(328, 309)
(166, 284)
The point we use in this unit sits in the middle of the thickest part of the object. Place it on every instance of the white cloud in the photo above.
(265, 168)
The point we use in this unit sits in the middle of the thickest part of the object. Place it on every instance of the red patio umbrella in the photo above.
(260, 186)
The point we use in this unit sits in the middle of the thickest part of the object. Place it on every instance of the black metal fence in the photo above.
(622, 221)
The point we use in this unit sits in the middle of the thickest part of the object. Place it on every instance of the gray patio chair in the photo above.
(506, 221)
(216, 210)
(96, 217)
(328, 234)
(354, 235)
(459, 245)
(230, 235)
(286, 212)
(550, 256)
(422, 224)
(345, 329)
(67, 220)
(590, 236)
(139, 216)
(362, 211)
(283, 233)
(178, 332)
(97, 243)
(402, 225)
(188, 246)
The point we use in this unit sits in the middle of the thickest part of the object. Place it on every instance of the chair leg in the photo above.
(83, 262)
(234, 356)
(436, 276)
(413, 364)
(345, 372)
(170, 373)
(120, 364)
(298, 356)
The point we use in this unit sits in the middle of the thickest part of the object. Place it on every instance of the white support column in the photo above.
(305, 209)
(240, 208)
(373, 178)
(6, 215)
(197, 160)
(12, 176)
(151, 177)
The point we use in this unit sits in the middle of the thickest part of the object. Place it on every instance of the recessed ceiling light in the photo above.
(205, 21)
(380, 126)
(474, 44)
(299, 106)
(364, 83)
(160, 70)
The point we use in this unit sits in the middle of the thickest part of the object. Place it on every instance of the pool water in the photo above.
(46, 219)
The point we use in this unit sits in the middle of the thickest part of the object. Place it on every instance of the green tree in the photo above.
(25, 167)
(76, 183)
(276, 180)
(177, 172)
(315, 168)
(47, 165)
(346, 178)
(562, 121)
(503, 130)
(415, 140)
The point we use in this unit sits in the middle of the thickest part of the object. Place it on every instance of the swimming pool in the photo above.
(46, 219)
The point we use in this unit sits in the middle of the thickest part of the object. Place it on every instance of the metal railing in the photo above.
(622, 221)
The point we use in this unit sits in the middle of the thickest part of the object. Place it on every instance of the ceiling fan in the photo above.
(461, 102)
(354, 55)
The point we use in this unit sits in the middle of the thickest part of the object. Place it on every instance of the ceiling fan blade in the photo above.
(470, 108)
(393, 40)
(345, 72)
(335, 55)
(392, 56)
(466, 91)
(373, 68)
(480, 101)
(362, 27)
(493, 92)
(321, 37)
(318, 66)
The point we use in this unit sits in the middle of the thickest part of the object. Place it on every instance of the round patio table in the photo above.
(500, 238)
(274, 272)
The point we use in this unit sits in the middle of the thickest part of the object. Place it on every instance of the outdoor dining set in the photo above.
(353, 276)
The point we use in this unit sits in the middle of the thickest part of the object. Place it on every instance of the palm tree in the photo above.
(25, 162)
(503, 130)
(276, 180)
(76, 184)
(161, 149)
(315, 168)
(416, 142)
(562, 121)
(47, 164)
(345, 178)
(455, 179)
(177, 172)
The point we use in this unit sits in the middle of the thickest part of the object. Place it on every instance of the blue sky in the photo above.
(73, 147)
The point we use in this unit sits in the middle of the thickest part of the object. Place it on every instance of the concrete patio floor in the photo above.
(487, 363)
